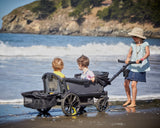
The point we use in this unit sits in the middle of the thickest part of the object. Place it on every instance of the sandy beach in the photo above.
(145, 115)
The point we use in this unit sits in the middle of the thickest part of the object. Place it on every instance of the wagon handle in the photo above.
(122, 69)
(130, 62)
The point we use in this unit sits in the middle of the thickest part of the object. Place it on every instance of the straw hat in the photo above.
(138, 32)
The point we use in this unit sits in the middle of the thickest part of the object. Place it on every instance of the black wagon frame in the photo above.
(72, 94)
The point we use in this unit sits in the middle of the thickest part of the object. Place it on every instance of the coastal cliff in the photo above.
(23, 20)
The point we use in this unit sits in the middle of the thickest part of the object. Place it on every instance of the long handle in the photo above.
(122, 69)
(130, 62)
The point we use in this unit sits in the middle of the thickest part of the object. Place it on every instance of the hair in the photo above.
(57, 64)
(83, 61)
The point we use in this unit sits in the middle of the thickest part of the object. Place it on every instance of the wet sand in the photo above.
(145, 115)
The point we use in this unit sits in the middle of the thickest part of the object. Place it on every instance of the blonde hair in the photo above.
(57, 64)
(83, 61)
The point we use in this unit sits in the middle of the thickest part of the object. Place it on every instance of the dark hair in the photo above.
(83, 61)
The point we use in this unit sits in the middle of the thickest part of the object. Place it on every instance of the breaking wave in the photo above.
(93, 49)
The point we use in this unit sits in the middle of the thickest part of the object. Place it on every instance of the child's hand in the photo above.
(127, 60)
(138, 61)
(93, 79)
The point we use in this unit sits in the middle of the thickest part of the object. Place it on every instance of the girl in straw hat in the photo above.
(139, 51)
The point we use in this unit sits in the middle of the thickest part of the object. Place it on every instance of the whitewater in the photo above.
(93, 49)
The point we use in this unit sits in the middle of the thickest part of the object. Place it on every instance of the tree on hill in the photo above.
(142, 11)
(44, 8)
(83, 7)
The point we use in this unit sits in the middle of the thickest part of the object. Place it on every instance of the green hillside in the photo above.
(142, 11)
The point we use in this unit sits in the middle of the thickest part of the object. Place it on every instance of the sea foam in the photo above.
(92, 49)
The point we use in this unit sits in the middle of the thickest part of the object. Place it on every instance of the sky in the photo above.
(6, 6)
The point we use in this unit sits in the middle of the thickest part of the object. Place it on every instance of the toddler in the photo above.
(58, 65)
(83, 63)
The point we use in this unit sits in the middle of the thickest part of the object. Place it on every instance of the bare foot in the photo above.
(126, 103)
(131, 105)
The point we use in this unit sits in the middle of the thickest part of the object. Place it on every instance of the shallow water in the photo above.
(17, 112)
(24, 58)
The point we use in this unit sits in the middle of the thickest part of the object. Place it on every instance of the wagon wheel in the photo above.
(102, 104)
(70, 104)
(43, 111)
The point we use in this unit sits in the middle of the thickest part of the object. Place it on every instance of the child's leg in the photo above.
(127, 89)
(134, 94)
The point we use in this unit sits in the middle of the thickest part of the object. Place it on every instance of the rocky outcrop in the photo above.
(22, 20)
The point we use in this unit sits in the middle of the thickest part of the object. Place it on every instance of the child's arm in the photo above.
(91, 76)
(129, 56)
(93, 79)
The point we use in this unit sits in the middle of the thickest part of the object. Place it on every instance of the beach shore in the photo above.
(145, 115)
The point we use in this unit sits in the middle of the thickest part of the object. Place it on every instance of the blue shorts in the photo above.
(137, 76)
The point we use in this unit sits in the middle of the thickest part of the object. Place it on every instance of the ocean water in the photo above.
(24, 58)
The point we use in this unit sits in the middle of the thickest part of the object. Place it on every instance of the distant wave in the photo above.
(13, 101)
(94, 49)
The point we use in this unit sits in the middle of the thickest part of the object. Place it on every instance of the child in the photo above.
(58, 65)
(83, 63)
(139, 51)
